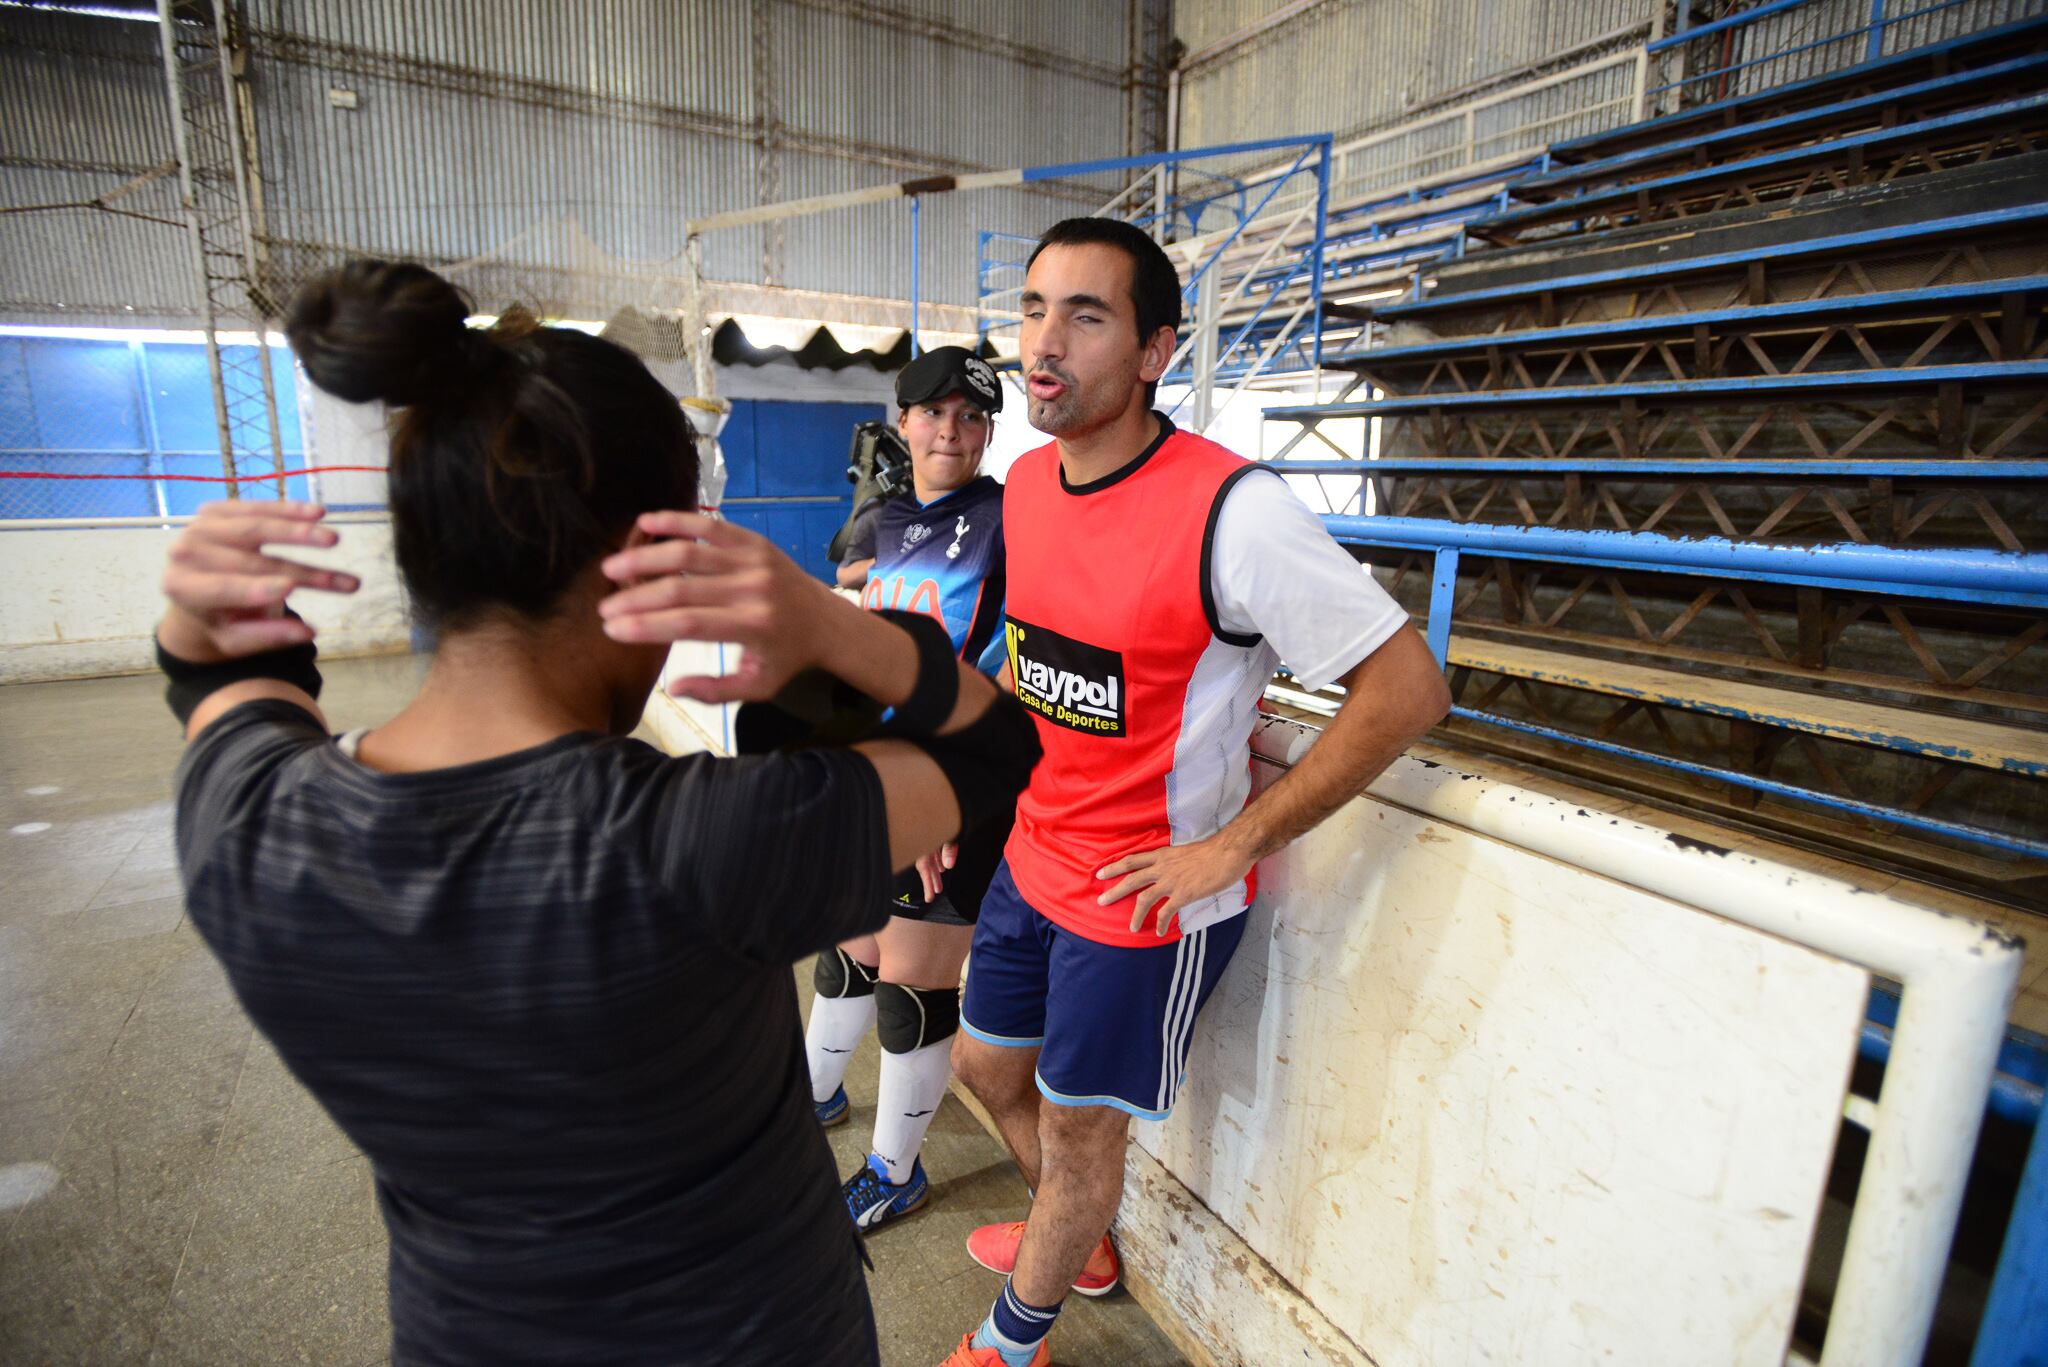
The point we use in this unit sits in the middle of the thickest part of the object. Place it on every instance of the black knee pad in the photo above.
(908, 1018)
(839, 974)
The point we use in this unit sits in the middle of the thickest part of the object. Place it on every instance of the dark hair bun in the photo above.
(390, 330)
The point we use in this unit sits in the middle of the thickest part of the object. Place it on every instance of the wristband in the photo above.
(937, 687)
(816, 708)
(192, 684)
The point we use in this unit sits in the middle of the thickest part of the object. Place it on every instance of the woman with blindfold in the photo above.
(939, 553)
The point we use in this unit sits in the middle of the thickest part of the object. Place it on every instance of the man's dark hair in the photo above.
(1155, 284)
(520, 453)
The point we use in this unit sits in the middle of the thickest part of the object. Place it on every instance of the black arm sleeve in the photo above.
(192, 684)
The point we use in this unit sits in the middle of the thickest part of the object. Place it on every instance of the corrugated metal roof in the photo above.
(881, 86)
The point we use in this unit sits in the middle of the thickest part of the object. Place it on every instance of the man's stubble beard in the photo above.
(1055, 417)
(1072, 412)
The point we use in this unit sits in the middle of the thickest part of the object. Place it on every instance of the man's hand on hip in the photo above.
(1172, 877)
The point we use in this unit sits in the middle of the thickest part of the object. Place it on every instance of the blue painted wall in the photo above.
(787, 464)
(130, 408)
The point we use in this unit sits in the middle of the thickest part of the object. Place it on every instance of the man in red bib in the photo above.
(1156, 581)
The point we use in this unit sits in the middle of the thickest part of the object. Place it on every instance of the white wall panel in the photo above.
(1479, 1106)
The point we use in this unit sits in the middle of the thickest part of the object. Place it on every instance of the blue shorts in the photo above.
(1111, 1024)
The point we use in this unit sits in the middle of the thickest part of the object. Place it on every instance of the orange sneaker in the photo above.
(967, 1355)
(995, 1248)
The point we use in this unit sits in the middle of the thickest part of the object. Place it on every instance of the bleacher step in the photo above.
(1987, 744)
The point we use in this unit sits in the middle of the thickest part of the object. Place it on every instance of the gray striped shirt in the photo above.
(549, 995)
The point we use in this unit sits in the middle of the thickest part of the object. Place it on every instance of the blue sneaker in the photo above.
(835, 1111)
(871, 1199)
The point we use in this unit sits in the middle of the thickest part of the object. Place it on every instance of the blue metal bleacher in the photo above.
(2025, 111)
(1822, 119)
(1945, 229)
(1934, 59)
(1741, 143)
(1852, 185)
(1680, 391)
(1653, 469)
(1931, 301)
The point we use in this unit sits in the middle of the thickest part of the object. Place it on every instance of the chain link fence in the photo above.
(103, 426)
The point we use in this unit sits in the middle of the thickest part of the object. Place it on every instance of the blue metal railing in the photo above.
(1873, 33)
(1984, 577)
(992, 261)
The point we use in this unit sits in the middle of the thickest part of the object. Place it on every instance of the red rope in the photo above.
(268, 478)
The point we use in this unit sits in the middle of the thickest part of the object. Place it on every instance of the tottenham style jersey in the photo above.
(945, 559)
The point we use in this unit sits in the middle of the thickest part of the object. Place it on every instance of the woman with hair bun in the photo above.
(537, 971)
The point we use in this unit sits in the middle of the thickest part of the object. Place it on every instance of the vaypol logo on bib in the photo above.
(1067, 681)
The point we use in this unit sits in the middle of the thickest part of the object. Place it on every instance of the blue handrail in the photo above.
(1873, 52)
(2006, 578)
(1748, 16)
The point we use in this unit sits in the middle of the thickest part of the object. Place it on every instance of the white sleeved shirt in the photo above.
(1275, 572)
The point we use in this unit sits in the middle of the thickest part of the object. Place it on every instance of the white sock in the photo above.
(913, 1085)
(838, 1024)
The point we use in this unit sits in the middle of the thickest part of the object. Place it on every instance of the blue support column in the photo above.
(980, 288)
(1876, 48)
(1443, 595)
(915, 348)
(1322, 225)
(2014, 1332)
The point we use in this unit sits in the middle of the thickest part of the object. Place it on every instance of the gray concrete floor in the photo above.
(169, 1194)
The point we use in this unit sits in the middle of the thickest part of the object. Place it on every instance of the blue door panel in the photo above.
(800, 448)
(787, 472)
(736, 443)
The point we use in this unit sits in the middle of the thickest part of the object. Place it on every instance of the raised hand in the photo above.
(713, 581)
(227, 594)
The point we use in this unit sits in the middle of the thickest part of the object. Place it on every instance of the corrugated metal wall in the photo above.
(81, 113)
(563, 145)
(1352, 65)
(556, 149)
(1823, 37)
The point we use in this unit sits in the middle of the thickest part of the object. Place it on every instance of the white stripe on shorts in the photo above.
(1181, 958)
(1192, 1003)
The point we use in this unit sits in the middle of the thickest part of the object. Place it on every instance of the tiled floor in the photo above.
(169, 1194)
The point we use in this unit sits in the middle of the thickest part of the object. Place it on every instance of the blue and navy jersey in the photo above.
(945, 559)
